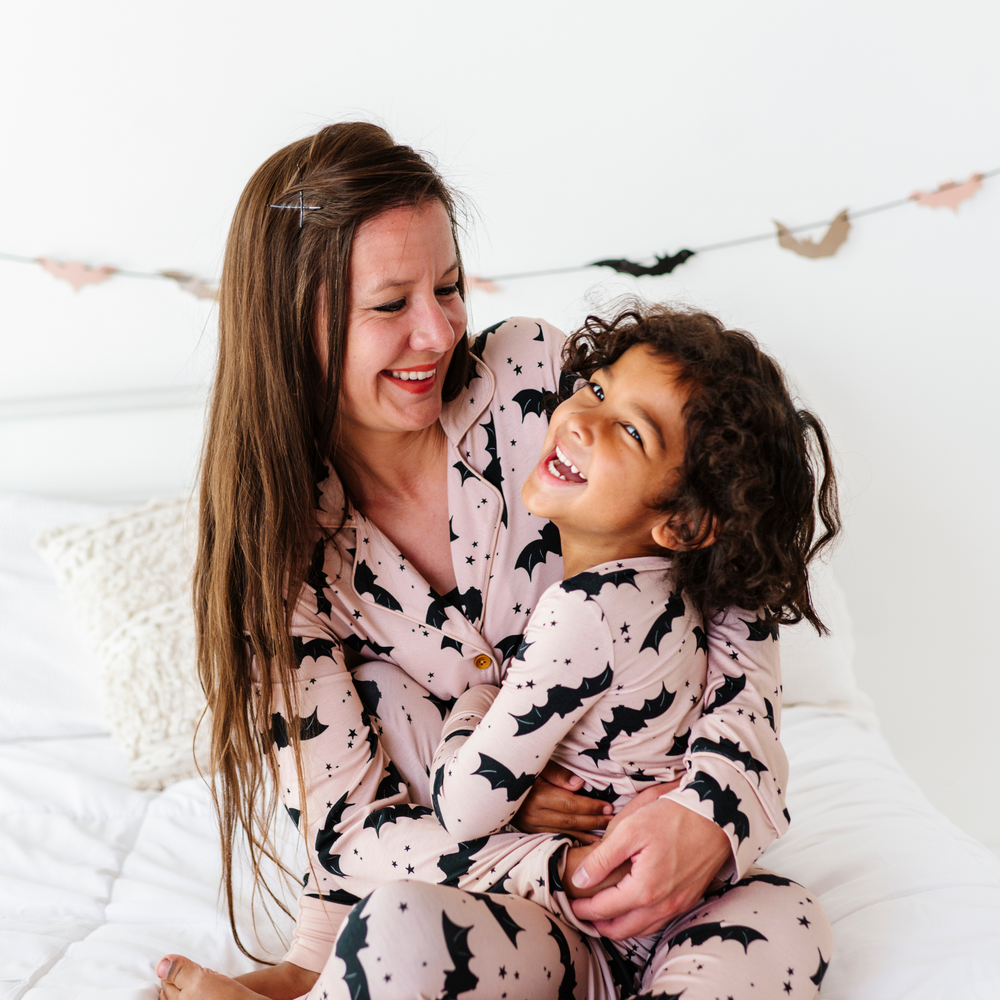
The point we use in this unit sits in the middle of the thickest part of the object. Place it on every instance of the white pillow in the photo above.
(128, 579)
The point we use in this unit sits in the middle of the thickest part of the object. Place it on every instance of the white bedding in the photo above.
(97, 879)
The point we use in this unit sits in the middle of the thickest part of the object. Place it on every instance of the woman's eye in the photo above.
(391, 307)
(451, 289)
(631, 430)
(596, 389)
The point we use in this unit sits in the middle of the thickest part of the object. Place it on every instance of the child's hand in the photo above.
(553, 807)
(575, 857)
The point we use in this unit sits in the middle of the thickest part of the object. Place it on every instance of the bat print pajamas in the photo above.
(382, 659)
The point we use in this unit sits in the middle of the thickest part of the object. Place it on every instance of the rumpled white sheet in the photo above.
(98, 880)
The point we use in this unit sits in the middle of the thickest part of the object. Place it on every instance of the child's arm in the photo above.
(496, 741)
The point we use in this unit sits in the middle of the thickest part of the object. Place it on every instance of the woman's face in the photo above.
(405, 316)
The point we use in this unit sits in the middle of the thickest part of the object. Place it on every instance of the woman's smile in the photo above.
(419, 379)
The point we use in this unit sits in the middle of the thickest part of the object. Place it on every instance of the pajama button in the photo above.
(482, 661)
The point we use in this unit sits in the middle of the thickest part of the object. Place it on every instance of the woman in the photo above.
(357, 457)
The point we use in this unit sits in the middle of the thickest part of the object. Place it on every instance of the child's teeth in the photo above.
(565, 461)
(555, 472)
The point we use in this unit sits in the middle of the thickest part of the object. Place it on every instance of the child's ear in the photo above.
(666, 535)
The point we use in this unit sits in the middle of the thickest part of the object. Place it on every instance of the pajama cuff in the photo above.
(315, 931)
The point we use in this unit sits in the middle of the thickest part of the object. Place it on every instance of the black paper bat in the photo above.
(603, 794)
(316, 578)
(390, 784)
(328, 836)
(352, 940)
(465, 472)
(312, 648)
(501, 776)
(770, 714)
(702, 639)
(725, 804)
(451, 531)
(567, 987)
(358, 643)
(817, 976)
(458, 864)
(443, 705)
(493, 473)
(369, 694)
(700, 933)
(562, 700)
(309, 729)
(509, 645)
(447, 642)
(507, 923)
(663, 265)
(760, 630)
(531, 401)
(389, 814)
(768, 877)
(674, 608)
(680, 744)
(591, 583)
(726, 692)
(628, 721)
(535, 552)
(730, 750)
(364, 583)
(461, 978)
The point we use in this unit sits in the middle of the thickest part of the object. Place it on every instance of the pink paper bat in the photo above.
(949, 195)
(77, 273)
(193, 285)
(827, 246)
(481, 284)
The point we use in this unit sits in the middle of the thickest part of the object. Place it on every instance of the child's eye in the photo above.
(596, 389)
(631, 430)
(391, 307)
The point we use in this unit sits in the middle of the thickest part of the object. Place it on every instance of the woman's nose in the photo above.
(432, 330)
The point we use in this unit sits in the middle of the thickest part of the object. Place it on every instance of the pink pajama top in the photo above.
(363, 602)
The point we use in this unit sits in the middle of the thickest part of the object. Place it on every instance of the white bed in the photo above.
(99, 878)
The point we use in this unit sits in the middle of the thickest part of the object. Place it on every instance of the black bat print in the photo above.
(761, 630)
(478, 345)
(628, 721)
(316, 578)
(507, 923)
(437, 613)
(435, 795)
(501, 776)
(458, 732)
(700, 933)
(493, 473)
(460, 979)
(498, 888)
(466, 473)
(369, 694)
(680, 744)
(555, 882)
(341, 896)
(817, 976)
(451, 531)
(663, 265)
(641, 775)
(364, 583)
(730, 750)
(372, 737)
(621, 971)
(567, 986)
(770, 714)
(746, 880)
(725, 804)
(458, 864)
(390, 784)
(592, 583)
(294, 814)
(702, 639)
(535, 552)
(389, 814)
(541, 335)
(508, 645)
(353, 939)
(674, 608)
(470, 604)
(358, 643)
(309, 729)
(522, 649)
(443, 705)
(603, 794)
(312, 648)
(562, 700)
(328, 836)
(531, 401)
(447, 642)
(726, 692)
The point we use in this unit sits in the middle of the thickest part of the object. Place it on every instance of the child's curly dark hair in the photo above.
(750, 469)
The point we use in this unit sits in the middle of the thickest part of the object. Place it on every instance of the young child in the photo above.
(682, 481)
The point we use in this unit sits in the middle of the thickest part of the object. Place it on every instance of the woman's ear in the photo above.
(667, 535)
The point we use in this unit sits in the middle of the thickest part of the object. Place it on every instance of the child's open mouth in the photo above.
(562, 468)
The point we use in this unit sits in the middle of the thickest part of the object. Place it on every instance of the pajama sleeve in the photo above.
(737, 770)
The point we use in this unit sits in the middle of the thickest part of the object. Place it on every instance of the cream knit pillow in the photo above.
(128, 580)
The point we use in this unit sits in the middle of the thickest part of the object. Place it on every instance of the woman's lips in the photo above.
(416, 380)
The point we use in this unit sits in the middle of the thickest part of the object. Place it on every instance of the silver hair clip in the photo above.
(300, 208)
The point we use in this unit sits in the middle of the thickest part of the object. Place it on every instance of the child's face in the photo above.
(624, 432)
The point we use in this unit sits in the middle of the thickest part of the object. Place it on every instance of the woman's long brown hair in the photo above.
(270, 433)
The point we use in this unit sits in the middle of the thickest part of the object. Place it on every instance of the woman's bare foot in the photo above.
(182, 979)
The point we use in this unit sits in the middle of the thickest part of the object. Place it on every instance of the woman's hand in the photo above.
(674, 852)
(552, 807)
(182, 979)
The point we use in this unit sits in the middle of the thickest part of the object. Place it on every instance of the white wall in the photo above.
(580, 131)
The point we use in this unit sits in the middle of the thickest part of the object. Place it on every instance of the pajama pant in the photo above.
(764, 937)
